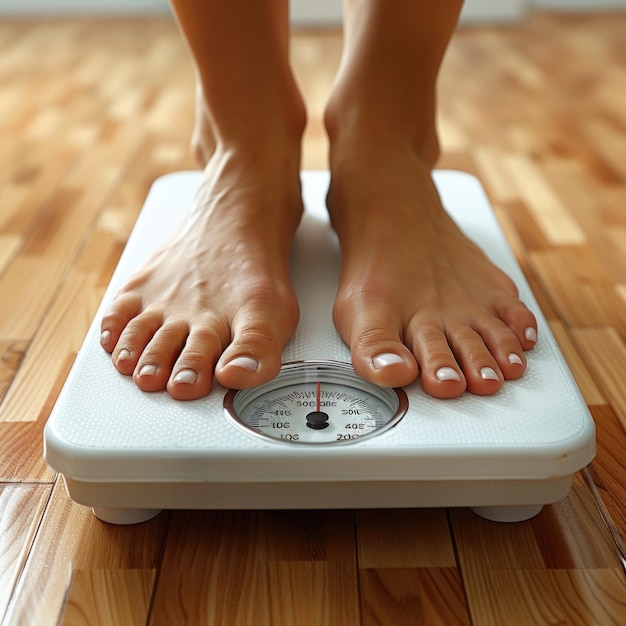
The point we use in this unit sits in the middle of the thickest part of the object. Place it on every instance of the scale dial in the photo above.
(316, 402)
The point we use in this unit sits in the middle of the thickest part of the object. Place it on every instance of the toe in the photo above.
(255, 352)
(383, 359)
(442, 377)
(503, 344)
(481, 369)
(378, 353)
(522, 323)
(154, 366)
(133, 340)
(192, 374)
(122, 310)
(252, 358)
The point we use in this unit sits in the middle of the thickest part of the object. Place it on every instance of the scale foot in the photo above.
(123, 517)
(508, 513)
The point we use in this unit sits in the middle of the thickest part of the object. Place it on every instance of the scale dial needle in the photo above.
(319, 395)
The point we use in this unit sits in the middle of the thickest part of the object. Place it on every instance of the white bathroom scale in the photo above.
(318, 436)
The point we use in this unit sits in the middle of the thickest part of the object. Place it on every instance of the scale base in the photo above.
(130, 454)
(510, 514)
(126, 517)
(132, 503)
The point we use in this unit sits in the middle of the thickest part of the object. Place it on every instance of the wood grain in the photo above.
(104, 597)
(274, 567)
(11, 355)
(565, 556)
(47, 580)
(91, 112)
(407, 569)
(21, 508)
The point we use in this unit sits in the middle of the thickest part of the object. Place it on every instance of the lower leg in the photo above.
(415, 294)
(216, 297)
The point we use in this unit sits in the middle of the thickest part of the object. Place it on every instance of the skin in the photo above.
(415, 296)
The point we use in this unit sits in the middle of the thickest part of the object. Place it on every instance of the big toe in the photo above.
(254, 355)
(378, 353)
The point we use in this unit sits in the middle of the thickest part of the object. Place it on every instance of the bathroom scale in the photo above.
(317, 436)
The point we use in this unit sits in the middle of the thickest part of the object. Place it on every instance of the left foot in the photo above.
(415, 295)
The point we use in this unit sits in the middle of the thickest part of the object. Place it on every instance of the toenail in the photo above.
(185, 376)
(105, 337)
(488, 373)
(386, 358)
(148, 370)
(530, 334)
(447, 373)
(515, 359)
(123, 355)
(245, 362)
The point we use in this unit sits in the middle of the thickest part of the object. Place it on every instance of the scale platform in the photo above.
(129, 454)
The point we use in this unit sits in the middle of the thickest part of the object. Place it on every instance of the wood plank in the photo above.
(571, 534)
(72, 539)
(21, 452)
(21, 508)
(608, 470)
(579, 287)
(592, 202)
(273, 567)
(605, 354)
(11, 355)
(409, 538)
(52, 350)
(525, 229)
(407, 569)
(548, 210)
(27, 280)
(577, 365)
(538, 572)
(104, 597)
(494, 174)
(539, 597)
(425, 596)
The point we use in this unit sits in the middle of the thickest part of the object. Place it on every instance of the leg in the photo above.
(217, 297)
(414, 293)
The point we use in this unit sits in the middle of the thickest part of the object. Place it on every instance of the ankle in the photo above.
(354, 127)
(278, 120)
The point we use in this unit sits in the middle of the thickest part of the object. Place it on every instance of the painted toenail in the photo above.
(185, 376)
(515, 359)
(488, 373)
(447, 373)
(530, 334)
(105, 337)
(245, 362)
(123, 355)
(148, 370)
(386, 358)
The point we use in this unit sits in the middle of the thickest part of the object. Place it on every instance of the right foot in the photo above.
(216, 298)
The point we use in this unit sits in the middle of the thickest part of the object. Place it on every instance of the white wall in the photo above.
(303, 11)
(580, 5)
(52, 7)
(493, 10)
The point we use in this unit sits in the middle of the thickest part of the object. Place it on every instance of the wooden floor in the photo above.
(90, 113)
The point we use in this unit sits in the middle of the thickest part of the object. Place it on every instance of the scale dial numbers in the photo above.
(316, 402)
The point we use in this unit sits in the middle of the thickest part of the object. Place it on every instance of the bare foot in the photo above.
(415, 294)
(216, 297)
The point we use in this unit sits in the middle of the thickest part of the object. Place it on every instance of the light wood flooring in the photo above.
(91, 112)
